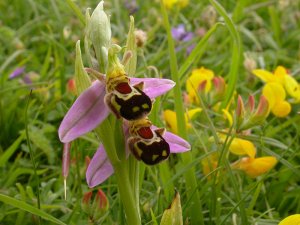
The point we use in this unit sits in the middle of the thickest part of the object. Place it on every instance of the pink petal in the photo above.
(154, 87)
(177, 144)
(99, 168)
(87, 112)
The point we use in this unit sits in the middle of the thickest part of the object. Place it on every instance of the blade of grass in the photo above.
(76, 11)
(236, 52)
(11, 150)
(26, 207)
(191, 182)
(32, 154)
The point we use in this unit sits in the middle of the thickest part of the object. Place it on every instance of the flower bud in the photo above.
(250, 104)
(71, 86)
(95, 204)
(140, 38)
(86, 202)
(248, 117)
(262, 110)
(219, 89)
(201, 87)
(100, 205)
(249, 63)
(99, 32)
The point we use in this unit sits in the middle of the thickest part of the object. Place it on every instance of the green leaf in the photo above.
(236, 52)
(11, 150)
(26, 207)
(82, 79)
(173, 215)
(130, 67)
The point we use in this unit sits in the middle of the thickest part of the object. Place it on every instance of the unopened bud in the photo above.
(71, 86)
(250, 104)
(140, 38)
(240, 110)
(219, 89)
(201, 87)
(262, 111)
(86, 202)
(249, 64)
(100, 205)
(95, 204)
(99, 32)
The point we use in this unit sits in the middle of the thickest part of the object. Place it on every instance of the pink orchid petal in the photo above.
(99, 168)
(154, 87)
(87, 112)
(176, 143)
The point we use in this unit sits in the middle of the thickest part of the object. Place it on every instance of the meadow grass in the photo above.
(230, 38)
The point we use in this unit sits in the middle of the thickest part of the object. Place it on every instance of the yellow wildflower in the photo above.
(255, 167)
(291, 220)
(240, 146)
(197, 77)
(171, 118)
(173, 3)
(275, 95)
(281, 77)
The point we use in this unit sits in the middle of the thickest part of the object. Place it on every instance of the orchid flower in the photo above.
(100, 168)
(89, 110)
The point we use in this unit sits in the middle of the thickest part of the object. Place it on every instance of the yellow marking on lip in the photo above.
(164, 153)
(145, 106)
(135, 109)
(138, 151)
(154, 157)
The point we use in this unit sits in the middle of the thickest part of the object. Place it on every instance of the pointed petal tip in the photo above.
(177, 144)
(154, 87)
(99, 168)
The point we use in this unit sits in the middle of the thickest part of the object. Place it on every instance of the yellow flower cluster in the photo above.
(277, 85)
(203, 83)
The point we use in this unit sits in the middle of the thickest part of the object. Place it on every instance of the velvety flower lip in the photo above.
(89, 110)
(100, 167)
(17, 72)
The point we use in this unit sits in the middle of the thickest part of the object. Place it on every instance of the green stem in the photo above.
(127, 194)
(187, 158)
